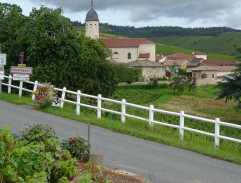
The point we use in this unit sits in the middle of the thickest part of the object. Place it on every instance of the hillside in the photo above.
(217, 42)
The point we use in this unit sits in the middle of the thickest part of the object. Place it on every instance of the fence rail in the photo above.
(123, 113)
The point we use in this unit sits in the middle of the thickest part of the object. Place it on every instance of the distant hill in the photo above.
(218, 42)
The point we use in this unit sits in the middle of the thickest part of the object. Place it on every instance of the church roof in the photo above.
(125, 43)
(92, 15)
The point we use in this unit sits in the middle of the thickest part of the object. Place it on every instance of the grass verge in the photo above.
(228, 151)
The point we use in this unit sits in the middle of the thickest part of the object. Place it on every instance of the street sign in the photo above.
(21, 70)
(1, 75)
(1, 67)
(20, 77)
(2, 59)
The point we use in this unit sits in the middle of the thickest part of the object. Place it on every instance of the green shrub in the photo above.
(77, 147)
(37, 133)
(41, 162)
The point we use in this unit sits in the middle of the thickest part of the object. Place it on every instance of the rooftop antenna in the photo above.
(92, 3)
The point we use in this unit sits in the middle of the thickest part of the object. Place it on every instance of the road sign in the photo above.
(20, 77)
(2, 59)
(21, 70)
(1, 75)
(1, 67)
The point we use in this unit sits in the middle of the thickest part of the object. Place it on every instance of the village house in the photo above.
(209, 74)
(149, 69)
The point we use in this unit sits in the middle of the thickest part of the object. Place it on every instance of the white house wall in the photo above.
(148, 48)
(122, 55)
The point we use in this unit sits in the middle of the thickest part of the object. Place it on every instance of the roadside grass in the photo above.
(202, 104)
(13, 98)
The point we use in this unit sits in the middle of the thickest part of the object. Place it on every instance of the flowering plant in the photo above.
(44, 95)
(77, 147)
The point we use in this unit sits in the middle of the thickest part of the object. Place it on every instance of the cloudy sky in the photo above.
(140, 13)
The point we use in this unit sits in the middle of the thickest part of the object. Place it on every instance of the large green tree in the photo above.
(230, 87)
(60, 55)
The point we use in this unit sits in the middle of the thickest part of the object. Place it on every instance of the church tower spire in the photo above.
(92, 23)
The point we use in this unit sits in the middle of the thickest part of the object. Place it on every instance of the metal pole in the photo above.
(88, 133)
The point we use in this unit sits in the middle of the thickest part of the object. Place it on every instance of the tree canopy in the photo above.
(230, 87)
(57, 53)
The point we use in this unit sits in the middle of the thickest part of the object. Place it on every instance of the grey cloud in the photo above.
(145, 10)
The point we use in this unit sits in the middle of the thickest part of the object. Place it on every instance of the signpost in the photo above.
(20, 77)
(21, 72)
(2, 63)
(2, 59)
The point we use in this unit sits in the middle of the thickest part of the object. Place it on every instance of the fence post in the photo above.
(181, 129)
(20, 88)
(99, 107)
(78, 103)
(10, 83)
(34, 89)
(151, 115)
(62, 98)
(123, 111)
(217, 130)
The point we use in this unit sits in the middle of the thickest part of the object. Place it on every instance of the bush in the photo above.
(77, 147)
(37, 133)
(34, 162)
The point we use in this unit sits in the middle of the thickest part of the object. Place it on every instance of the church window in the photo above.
(129, 56)
(115, 52)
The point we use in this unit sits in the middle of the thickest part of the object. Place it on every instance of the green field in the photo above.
(222, 44)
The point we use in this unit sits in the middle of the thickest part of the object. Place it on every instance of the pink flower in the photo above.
(74, 140)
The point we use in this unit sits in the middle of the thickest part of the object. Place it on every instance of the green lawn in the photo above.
(162, 98)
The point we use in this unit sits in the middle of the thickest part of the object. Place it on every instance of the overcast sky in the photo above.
(141, 13)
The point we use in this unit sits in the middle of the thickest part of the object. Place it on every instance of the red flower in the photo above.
(74, 140)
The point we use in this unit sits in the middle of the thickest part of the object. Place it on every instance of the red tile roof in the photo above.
(144, 55)
(158, 57)
(219, 63)
(123, 43)
(180, 56)
(174, 62)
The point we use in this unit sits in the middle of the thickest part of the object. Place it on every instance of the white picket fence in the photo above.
(123, 113)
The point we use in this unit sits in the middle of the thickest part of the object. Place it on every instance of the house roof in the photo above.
(174, 62)
(144, 63)
(195, 62)
(144, 55)
(219, 63)
(124, 43)
(214, 68)
(158, 57)
(180, 56)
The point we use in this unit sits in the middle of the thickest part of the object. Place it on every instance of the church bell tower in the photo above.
(92, 23)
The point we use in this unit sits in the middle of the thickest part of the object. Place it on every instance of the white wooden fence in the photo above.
(123, 113)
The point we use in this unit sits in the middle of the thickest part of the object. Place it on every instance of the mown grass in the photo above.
(162, 98)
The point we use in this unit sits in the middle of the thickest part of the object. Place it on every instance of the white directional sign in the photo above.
(21, 70)
(2, 59)
(1, 75)
(1, 72)
(20, 77)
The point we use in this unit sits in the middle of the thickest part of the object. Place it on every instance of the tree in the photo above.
(181, 82)
(60, 55)
(230, 87)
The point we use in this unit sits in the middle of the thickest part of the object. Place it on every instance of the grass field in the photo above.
(222, 44)
(202, 104)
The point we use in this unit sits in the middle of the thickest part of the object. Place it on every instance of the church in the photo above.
(135, 52)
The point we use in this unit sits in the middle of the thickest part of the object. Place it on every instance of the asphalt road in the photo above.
(156, 162)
